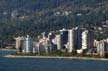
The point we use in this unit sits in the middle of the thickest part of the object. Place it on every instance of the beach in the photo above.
(47, 57)
(54, 57)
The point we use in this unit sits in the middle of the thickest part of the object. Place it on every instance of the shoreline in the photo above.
(56, 57)
(51, 57)
(4, 49)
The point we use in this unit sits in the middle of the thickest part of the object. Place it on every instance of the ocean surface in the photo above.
(38, 64)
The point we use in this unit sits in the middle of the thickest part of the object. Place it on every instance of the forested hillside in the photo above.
(21, 17)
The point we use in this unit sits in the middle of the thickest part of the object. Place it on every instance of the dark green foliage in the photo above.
(21, 17)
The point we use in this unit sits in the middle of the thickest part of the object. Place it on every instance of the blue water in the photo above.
(37, 64)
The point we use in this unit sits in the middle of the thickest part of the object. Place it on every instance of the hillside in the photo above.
(21, 17)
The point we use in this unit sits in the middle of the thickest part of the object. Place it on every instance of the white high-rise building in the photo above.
(87, 39)
(35, 47)
(106, 45)
(45, 46)
(19, 44)
(101, 48)
(74, 39)
(27, 44)
(58, 41)
(70, 40)
(84, 39)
